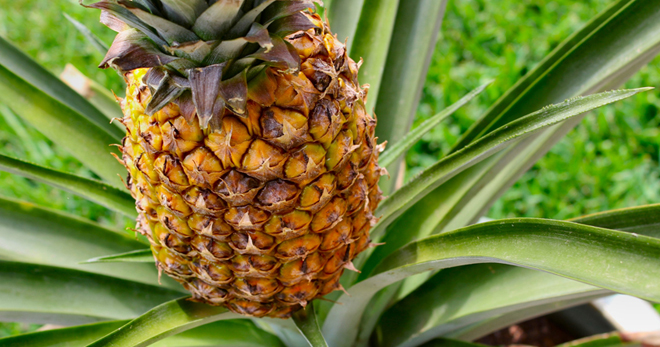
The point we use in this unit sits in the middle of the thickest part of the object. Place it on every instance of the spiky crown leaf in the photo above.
(202, 52)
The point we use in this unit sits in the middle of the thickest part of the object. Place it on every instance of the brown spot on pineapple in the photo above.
(255, 243)
(346, 176)
(277, 196)
(212, 272)
(295, 91)
(318, 193)
(173, 202)
(301, 269)
(215, 228)
(336, 237)
(255, 266)
(204, 292)
(250, 308)
(171, 263)
(211, 249)
(246, 218)
(305, 164)
(179, 137)
(171, 172)
(288, 226)
(237, 188)
(325, 121)
(299, 247)
(144, 162)
(204, 202)
(259, 289)
(356, 197)
(339, 150)
(329, 215)
(284, 128)
(174, 224)
(298, 293)
(202, 167)
(263, 161)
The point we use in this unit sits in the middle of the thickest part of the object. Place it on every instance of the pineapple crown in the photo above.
(203, 52)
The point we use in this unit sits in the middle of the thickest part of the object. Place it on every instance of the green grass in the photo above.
(608, 161)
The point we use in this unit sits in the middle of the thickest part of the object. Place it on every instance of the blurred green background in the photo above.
(609, 161)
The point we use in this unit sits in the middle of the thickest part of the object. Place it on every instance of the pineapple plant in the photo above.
(253, 195)
(253, 166)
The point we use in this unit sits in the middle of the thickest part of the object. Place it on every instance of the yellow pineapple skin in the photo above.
(260, 213)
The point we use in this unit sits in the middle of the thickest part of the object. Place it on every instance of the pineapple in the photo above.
(250, 153)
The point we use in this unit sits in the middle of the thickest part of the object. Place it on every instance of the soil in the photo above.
(539, 332)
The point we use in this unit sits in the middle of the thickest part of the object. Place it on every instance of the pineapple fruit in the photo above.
(250, 153)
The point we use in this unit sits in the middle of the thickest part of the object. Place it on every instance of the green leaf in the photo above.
(440, 342)
(448, 167)
(610, 340)
(615, 38)
(613, 260)
(100, 46)
(37, 235)
(84, 139)
(623, 38)
(230, 333)
(414, 36)
(488, 326)
(99, 192)
(470, 295)
(139, 256)
(46, 294)
(163, 321)
(372, 41)
(644, 220)
(410, 138)
(308, 326)
(95, 93)
(78, 336)
(22, 66)
(343, 16)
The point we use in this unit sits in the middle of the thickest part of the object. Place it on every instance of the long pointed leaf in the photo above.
(83, 138)
(643, 220)
(443, 170)
(45, 294)
(308, 326)
(461, 297)
(413, 41)
(139, 256)
(77, 336)
(20, 64)
(100, 46)
(230, 333)
(372, 41)
(344, 16)
(163, 321)
(99, 192)
(613, 260)
(622, 32)
(623, 38)
(451, 343)
(395, 150)
(614, 340)
(37, 235)
(95, 93)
